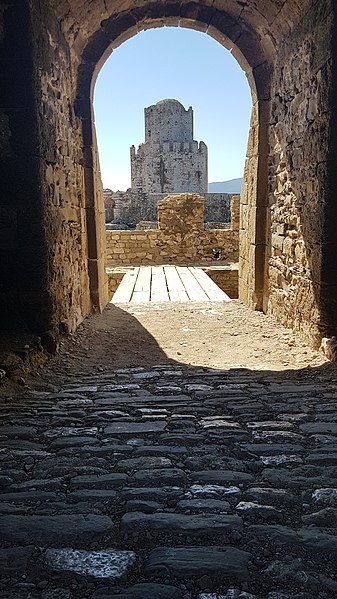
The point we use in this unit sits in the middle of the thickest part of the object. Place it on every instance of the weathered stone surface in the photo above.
(273, 448)
(14, 560)
(104, 481)
(231, 594)
(254, 510)
(325, 496)
(214, 491)
(326, 517)
(107, 563)
(141, 591)
(51, 484)
(291, 572)
(18, 431)
(62, 442)
(319, 428)
(30, 496)
(225, 562)
(181, 237)
(143, 463)
(140, 505)
(92, 495)
(308, 538)
(173, 523)
(150, 493)
(51, 530)
(131, 428)
(295, 208)
(164, 476)
(269, 495)
(100, 500)
(203, 506)
(163, 450)
(221, 476)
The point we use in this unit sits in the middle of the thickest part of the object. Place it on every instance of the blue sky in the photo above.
(175, 63)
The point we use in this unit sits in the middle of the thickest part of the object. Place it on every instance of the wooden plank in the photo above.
(159, 291)
(193, 289)
(141, 292)
(125, 289)
(214, 292)
(176, 289)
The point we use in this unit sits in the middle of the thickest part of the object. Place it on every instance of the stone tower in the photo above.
(169, 161)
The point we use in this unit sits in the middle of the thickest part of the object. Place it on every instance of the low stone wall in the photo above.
(115, 275)
(132, 206)
(180, 239)
(226, 277)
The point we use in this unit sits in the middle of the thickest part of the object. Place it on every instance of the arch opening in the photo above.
(199, 145)
(49, 159)
(253, 59)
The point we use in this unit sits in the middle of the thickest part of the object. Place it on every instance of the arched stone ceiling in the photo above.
(267, 18)
(252, 29)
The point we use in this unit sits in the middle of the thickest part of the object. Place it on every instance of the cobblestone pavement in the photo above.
(173, 483)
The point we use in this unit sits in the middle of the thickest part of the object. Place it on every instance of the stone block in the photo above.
(167, 523)
(216, 562)
(53, 530)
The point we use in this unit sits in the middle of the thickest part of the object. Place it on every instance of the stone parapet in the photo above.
(180, 239)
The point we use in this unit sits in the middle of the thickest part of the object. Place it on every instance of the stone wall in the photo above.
(300, 125)
(217, 207)
(226, 277)
(52, 218)
(180, 239)
(62, 179)
(169, 167)
(109, 205)
(23, 292)
(132, 207)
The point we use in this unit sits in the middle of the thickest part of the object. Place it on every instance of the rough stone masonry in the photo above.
(181, 237)
(52, 234)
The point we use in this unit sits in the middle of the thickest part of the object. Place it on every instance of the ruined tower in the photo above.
(170, 160)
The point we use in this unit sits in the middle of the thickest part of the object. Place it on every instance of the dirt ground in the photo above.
(216, 335)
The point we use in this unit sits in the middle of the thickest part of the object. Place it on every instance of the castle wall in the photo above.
(180, 239)
(298, 194)
(131, 207)
(217, 207)
(170, 167)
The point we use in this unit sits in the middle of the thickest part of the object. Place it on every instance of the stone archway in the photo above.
(257, 65)
(51, 213)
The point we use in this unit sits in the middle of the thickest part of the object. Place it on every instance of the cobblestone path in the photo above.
(174, 483)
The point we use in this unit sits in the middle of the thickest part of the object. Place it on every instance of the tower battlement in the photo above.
(192, 147)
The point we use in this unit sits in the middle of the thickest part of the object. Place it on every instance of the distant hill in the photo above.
(232, 186)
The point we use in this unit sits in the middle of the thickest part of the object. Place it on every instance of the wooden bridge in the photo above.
(144, 284)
